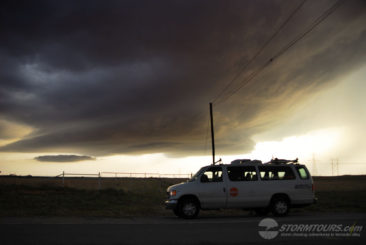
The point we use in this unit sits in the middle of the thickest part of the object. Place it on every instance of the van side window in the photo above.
(302, 172)
(276, 173)
(212, 174)
(242, 173)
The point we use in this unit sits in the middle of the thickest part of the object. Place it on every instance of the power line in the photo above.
(319, 20)
(260, 50)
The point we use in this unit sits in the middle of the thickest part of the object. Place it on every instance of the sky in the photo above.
(124, 86)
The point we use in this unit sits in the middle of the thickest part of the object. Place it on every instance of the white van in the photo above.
(274, 186)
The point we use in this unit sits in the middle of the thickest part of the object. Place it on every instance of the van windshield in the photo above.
(194, 177)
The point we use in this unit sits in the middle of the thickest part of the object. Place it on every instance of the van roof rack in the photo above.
(245, 161)
(282, 161)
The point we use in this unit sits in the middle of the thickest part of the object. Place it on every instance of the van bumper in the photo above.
(171, 204)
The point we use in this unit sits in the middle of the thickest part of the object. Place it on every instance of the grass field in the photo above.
(120, 197)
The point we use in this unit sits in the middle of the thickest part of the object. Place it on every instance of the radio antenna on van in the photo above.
(212, 135)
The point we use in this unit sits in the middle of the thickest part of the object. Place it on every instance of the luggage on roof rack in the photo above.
(282, 161)
(245, 161)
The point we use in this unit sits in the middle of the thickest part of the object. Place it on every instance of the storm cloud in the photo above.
(100, 78)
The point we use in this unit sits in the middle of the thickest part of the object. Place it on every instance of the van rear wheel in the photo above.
(280, 206)
(188, 208)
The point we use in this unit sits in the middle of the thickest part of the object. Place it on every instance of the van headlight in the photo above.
(173, 193)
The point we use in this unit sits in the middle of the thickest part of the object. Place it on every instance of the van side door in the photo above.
(242, 186)
(212, 188)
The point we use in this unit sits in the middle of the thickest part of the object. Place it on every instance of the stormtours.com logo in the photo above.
(269, 229)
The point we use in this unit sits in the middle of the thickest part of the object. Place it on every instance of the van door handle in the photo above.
(224, 189)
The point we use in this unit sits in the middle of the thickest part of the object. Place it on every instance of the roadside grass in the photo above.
(50, 201)
(339, 201)
(339, 194)
(123, 197)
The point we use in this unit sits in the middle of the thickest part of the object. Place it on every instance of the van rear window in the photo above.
(276, 173)
(303, 173)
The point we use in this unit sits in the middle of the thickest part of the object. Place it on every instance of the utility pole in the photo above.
(335, 166)
(315, 170)
(212, 136)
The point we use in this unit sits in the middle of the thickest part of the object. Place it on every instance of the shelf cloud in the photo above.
(134, 77)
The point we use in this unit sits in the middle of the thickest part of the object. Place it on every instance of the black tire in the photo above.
(261, 211)
(188, 208)
(176, 212)
(280, 206)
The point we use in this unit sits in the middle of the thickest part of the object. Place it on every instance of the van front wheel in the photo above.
(188, 208)
(280, 206)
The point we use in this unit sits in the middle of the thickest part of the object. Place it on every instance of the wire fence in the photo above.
(115, 175)
(126, 175)
(145, 175)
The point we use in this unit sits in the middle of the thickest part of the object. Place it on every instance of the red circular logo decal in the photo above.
(234, 191)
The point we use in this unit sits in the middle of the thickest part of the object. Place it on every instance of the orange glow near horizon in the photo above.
(319, 142)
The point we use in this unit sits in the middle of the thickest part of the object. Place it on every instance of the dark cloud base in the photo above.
(63, 158)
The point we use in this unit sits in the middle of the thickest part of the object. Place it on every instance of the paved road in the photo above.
(170, 230)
